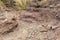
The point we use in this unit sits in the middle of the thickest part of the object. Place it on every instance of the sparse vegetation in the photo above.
(19, 4)
(1, 3)
(16, 4)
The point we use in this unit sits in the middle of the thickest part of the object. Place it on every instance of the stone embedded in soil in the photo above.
(6, 22)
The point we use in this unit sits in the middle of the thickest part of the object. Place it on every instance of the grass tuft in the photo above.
(20, 4)
(1, 4)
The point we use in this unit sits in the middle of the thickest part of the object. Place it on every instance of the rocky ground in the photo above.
(33, 23)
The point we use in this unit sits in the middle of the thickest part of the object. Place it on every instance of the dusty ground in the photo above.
(31, 24)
